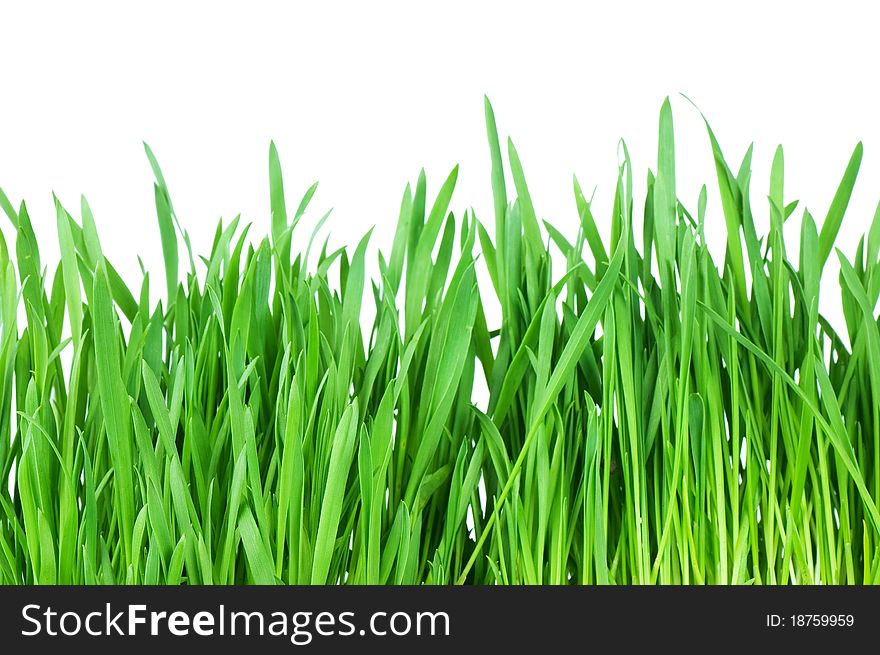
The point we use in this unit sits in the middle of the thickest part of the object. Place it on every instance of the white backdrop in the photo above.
(361, 95)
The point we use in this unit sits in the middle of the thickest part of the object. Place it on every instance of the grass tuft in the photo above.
(653, 416)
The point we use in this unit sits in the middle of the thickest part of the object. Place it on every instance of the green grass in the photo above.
(653, 415)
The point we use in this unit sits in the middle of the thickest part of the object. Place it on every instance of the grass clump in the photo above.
(653, 416)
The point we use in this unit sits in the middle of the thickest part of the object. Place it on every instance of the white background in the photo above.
(361, 95)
